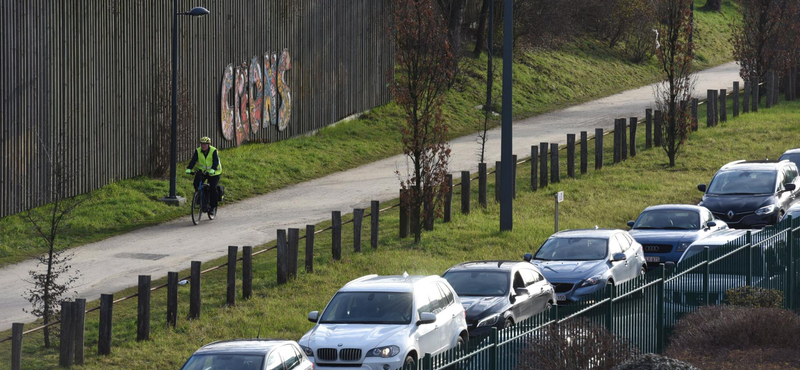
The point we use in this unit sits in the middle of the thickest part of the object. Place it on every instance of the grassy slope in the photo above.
(606, 198)
(544, 81)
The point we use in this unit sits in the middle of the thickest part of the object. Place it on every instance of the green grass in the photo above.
(545, 80)
(606, 198)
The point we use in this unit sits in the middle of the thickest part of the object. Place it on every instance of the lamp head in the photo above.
(198, 11)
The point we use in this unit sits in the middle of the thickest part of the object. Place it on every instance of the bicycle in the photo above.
(200, 200)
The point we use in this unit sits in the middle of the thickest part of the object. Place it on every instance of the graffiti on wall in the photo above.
(260, 96)
(225, 100)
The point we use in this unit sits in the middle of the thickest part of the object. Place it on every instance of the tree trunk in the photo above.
(715, 5)
(482, 21)
(454, 26)
(46, 299)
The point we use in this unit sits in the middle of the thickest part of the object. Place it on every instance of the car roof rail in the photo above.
(733, 163)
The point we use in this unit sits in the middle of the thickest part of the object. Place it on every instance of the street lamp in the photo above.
(506, 137)
(172, 198)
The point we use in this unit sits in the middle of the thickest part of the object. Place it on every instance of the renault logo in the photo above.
(730, 214)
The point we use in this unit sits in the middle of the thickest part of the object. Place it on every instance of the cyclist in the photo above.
(207, 160)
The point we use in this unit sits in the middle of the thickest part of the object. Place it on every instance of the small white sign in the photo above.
(560, 196)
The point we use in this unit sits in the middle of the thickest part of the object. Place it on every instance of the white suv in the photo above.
(384, 322)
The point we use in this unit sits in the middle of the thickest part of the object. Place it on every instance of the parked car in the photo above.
(750, 195)
(249, 354)
(578, 263)
(791, 155)
(385, 322)
(499, 293)
(666, 231)
(718, 239)
(793, 211)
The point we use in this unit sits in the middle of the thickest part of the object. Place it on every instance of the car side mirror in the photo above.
(527, 257)
(426, 318)
(702, 187)
(631, 223)
(522, 291)
(711, 224)
(618, 257)
(313, 316)
(790, 187)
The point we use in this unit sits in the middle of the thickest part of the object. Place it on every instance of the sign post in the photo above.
(559, 198)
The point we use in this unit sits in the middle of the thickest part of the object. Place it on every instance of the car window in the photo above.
(529, 276)
(300, 355)
(613, 246)
(478, 283)
(274, 361)
(788, 175)
(436, 298)
(448, 294)
(368, 308)
(573, 249)
(794, 157)
(672, 219)
(707, 216)
(519, 282)
(423, 301)
(624, 243)
(225, 361)
(743, 182)
(290, 359)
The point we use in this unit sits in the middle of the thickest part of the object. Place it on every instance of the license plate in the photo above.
(653, 259)
(561, 297)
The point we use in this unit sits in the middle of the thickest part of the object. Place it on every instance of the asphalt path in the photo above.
(113, 264)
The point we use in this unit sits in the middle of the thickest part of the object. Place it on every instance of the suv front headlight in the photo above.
(489, 321)
(308, 351)
(765, 210)
(384, 352)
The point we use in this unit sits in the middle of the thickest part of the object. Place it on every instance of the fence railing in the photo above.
(287, 246)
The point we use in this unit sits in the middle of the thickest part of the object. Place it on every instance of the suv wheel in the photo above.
(410, 363)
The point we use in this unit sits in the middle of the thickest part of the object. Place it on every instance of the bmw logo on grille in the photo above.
(340, 344)
(730, 214)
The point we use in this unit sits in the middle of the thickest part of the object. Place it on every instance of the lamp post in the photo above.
(506, 137)
(172, 198)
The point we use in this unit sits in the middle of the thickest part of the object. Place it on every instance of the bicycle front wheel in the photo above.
(197, 208)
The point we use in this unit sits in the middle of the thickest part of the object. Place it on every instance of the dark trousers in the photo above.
(213, 181)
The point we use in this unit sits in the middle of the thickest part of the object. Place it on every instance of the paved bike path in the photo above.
(112, 264)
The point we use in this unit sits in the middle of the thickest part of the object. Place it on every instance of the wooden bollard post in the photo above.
(358, 221)
(483, 184)
(555, 172)
(106, 317)
(534, 168)
(710, 108)
(598, 148)
(293, 247)
(247, 272)
(16, 345)
(746, 97)
(584, 152)
(634, 122)
(543, 164)
(336, 234)
(659, 120)
(404, 217)
(695, 113)
(497, 180)
(623, 136)
(310, 229)
(78, 329)
(448, 198)
(514, 177)
(465, 192)
(143, 309)
(735, 99)
(282, 255)
(716, 108)
(172, 299)
(648, 128)
(194, 291)
(230, 296)
(756, 98)
(66, 355)
(571, 155)
(616, 141)
(723, 105)
(375, 217)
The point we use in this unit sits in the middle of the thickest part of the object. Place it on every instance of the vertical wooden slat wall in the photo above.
(84, 80)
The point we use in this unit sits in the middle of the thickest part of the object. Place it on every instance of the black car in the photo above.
(751, 194)
(499, 293)
(791, 155)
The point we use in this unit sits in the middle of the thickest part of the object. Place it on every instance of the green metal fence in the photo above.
(643, 312)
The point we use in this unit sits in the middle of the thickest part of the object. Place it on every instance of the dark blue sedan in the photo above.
(666, 231)
(578, 263)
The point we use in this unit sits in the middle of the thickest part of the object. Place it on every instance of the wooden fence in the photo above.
(95, 77)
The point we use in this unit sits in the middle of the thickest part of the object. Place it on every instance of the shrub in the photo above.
(654, 362)
(723, 328)
(755, 297)
(575, 345)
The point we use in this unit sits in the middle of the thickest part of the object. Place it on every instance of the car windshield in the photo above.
(743, 182)
(573, 249)
(478, 283)
(368, 308)
(794, 157)
(668, 219)
(225, 361)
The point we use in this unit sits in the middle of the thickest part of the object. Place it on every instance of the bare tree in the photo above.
(424, 66)
(48, 222)
(760, 40)
(675, 61)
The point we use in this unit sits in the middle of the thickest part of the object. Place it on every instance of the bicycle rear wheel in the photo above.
(197, 208)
